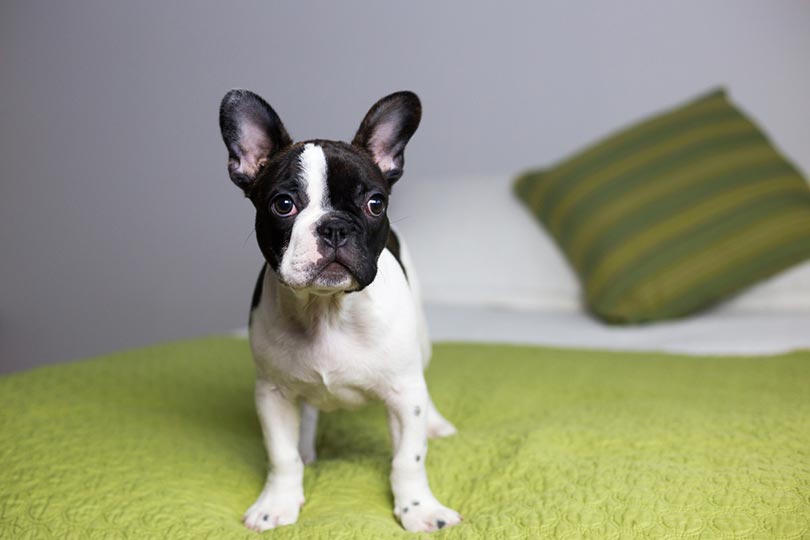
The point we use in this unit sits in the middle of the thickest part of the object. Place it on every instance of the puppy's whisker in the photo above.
(251, 233)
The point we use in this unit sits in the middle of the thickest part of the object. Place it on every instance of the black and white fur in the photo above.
(336, 317)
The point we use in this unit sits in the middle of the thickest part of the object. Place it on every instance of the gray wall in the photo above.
(118, 225)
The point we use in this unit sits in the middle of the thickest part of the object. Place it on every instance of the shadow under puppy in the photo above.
(336, 318)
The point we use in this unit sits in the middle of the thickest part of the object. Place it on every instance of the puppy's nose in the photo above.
(334, 232)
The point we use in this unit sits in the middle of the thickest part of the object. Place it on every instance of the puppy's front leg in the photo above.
(414, 503)
(283, 493)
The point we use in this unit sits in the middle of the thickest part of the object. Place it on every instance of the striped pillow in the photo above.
(674, 213)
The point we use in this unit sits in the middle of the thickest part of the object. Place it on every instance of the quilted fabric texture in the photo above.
(164, 443)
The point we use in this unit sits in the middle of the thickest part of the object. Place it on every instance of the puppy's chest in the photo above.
(329, 366)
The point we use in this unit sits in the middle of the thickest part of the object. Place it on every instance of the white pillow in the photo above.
(474, 243)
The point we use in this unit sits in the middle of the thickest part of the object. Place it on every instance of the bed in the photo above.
(163, 442)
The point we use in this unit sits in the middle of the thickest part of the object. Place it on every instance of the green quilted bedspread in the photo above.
(164, 442)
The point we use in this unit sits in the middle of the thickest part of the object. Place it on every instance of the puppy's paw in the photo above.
(439, 427)
(426, 515)
(271, 511)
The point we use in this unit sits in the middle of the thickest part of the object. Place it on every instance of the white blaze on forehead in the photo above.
(313, 175)
(298, 261)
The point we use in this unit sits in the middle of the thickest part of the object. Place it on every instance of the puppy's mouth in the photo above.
(331, 274)
(334, 271)
(334, 275)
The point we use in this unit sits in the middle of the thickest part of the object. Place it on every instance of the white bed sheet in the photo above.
(723, 331)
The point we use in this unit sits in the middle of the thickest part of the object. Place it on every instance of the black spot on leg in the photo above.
(440, 523)
(415, 503)
(418, 457)
(417, 411)
(266, 517)
(405, 510)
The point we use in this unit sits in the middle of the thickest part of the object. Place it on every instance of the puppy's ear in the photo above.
(252, 132)
(387, 128)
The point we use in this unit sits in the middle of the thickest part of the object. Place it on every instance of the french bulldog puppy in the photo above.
(336, 318)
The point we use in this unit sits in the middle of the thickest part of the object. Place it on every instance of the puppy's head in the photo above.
(321, 219)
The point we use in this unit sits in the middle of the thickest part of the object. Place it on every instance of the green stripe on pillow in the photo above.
(675, 213)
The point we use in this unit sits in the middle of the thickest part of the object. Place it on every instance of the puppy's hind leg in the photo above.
(309, 430)
(437, 425)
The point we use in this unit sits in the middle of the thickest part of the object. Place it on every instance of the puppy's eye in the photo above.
(283, 206)
(375, 205)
